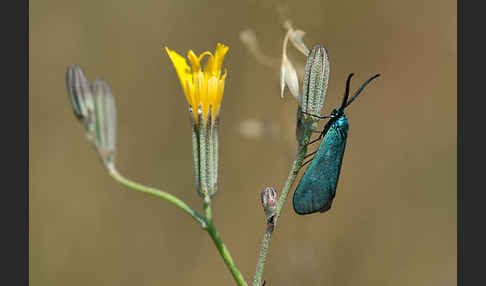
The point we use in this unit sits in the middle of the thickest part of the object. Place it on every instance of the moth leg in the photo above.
(310, 154)
(305, 163)
(317, 139)
(317, 116)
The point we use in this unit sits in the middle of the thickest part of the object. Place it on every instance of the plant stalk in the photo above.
(160, 194)
(301, 151)
(218, 242)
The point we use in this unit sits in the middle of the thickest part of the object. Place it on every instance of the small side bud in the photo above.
(269, 197)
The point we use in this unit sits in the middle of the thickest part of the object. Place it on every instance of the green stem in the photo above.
(218, 242)
(160, 194)
(263, 255)
(301, 151)
(205, 222)
(290, 180)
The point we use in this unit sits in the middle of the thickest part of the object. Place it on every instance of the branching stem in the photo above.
(160, 194)
(301, 151)
(205, 222)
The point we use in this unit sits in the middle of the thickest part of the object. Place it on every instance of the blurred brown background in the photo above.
(393, 221)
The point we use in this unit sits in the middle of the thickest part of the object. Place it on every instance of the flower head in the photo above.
(203, 87)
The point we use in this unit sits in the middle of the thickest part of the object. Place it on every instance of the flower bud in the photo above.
(316, 77)
(314, 87)
(269, 197)
(105, 120)
(80, 95)
(94, 106)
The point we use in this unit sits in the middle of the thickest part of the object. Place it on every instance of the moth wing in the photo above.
(317, 187)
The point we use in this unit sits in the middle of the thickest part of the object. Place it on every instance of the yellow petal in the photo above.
(219, 93)
(203, 88)
(214, 63)
(209, 67)
(182, 69)
(194, 60)
(203, 95)
(213, 95)
(219, 54)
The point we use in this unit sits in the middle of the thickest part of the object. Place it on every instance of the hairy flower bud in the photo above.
(105, 119)
(314, 87)
(80, 95)
(94, 106)
(269, 197)
(316, 77)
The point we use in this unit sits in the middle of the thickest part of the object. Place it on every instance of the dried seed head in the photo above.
(288, 74)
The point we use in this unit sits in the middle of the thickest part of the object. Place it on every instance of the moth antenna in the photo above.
(346, 94)
(359, 90)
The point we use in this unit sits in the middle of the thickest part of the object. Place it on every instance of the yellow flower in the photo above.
(203, 88)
